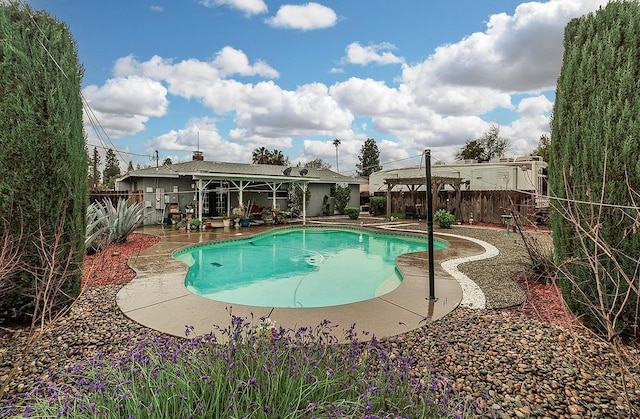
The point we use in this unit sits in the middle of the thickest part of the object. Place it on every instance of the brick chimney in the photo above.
(197, 155)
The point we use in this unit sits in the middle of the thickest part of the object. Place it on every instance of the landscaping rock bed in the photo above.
(517, 359)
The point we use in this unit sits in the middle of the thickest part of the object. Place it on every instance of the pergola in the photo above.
(239, 183)
(415, 183)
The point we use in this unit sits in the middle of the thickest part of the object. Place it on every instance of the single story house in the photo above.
(213, 189)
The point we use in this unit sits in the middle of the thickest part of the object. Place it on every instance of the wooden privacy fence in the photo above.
(486, 206)
(131, 196)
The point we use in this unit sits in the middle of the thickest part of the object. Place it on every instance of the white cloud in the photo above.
(535, 105)
(115, 96)
(199, 134)
(533, 121)
(229, 61)
(371, 97)
(249, 7)
(517, 53)
(233, 61)
(437, 104)
(378, 54)
(305, 17)
(122, 113)
(269, 111)
(348, 151)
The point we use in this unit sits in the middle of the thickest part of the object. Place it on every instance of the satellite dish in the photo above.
(304, 172)
(287, 171)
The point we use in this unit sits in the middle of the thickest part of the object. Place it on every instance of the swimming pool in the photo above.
(299, 267)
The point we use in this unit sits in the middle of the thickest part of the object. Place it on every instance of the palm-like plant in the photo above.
(261, 155)
(337, 143)
(107, 223)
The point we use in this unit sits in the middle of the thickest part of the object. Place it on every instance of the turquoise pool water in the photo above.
(300, 267)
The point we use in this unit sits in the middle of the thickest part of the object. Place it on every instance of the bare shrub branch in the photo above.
(9, 258)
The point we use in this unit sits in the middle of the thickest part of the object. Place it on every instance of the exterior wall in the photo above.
(354, 199)
(159, 193)
(520, 174)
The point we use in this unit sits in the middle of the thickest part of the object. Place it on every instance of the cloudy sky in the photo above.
(229, 76)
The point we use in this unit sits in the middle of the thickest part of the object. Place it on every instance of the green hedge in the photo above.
(594, 158)
(352, 212)
(43, 161)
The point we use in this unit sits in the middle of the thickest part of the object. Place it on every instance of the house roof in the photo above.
(200, 169)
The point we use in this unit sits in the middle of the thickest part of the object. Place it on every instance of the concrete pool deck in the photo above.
(157, 297)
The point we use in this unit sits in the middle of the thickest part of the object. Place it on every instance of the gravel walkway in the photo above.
(522, 367)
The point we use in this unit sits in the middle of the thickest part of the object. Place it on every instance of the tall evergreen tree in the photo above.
(111, 169)
(490, 146)
(369, 158)
(543, 147)
(43, 160)
(94, 172)
(130, 166)
(594, 156)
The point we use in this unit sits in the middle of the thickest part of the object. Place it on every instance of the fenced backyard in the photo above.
(483, 206)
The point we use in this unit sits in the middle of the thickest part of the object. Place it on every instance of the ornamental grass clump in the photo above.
(259, 372)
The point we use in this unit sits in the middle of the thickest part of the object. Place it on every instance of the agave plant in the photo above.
(97, 231)
(108, 224)
(123, 219)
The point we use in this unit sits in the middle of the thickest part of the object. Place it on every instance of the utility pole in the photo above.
(96, 157)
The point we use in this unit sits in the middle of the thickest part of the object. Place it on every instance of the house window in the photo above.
(175, 189)
(332, 191)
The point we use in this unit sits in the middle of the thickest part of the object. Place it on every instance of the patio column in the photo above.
(389, 187)
(304, 203)
(200, 187)
(274, 188)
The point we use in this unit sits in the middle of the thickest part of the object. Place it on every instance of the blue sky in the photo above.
(229, 76)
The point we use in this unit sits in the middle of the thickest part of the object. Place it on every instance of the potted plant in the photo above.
(195, 223)
(182, 224)
(237, 213)
(267, 216)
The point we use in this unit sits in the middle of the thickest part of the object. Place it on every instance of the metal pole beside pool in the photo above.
(429, 217)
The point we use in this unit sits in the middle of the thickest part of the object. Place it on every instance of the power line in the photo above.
(120, 151)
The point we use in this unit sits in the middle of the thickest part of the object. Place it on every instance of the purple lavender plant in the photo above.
(261, 372)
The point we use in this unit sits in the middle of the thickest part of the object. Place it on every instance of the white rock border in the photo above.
(472, 295)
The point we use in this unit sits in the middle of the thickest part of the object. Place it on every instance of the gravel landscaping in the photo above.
(521, 366)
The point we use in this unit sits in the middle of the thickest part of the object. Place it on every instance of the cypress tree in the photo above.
(43, 161)
(594, 150)
(111, 169)
(369, 158)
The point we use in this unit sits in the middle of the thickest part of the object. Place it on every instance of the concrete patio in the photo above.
(157, 298)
